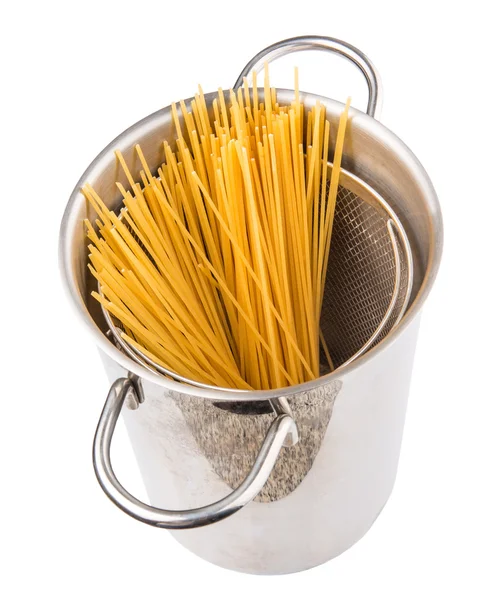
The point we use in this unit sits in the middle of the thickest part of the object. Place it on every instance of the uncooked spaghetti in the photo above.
(216, 265)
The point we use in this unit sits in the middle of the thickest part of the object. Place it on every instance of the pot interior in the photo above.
(371, 153)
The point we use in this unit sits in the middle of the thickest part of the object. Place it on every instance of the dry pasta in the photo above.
(216, 265)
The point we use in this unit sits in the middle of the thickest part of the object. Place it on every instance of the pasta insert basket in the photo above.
(282, 480)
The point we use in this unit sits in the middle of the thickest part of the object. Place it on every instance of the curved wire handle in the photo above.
(328, 44)
(281, 428)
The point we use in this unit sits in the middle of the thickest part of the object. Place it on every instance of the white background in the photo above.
(74, 75)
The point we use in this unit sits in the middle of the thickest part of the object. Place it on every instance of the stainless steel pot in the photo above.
(304, 471)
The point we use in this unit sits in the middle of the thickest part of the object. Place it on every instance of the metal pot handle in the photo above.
(277, 435)
(328, 44)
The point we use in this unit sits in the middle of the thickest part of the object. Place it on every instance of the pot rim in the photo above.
(128, 137)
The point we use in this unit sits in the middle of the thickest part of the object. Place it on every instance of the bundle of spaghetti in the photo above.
(216, 265)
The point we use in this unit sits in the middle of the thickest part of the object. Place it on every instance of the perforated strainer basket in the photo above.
(304, 470)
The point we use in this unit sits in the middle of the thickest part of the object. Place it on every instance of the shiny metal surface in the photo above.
(325, 44)
(323, 494)
(194, 446)
(281, 427)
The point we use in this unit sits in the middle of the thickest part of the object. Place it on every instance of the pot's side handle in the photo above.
(328, 44)
(278, 432)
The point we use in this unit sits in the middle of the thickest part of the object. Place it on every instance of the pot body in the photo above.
(324, 493)
(194, 445)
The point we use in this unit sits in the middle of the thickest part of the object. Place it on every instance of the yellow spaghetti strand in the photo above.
(215, 267)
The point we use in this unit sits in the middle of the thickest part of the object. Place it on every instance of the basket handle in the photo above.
(280, 429)
(328, 44)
